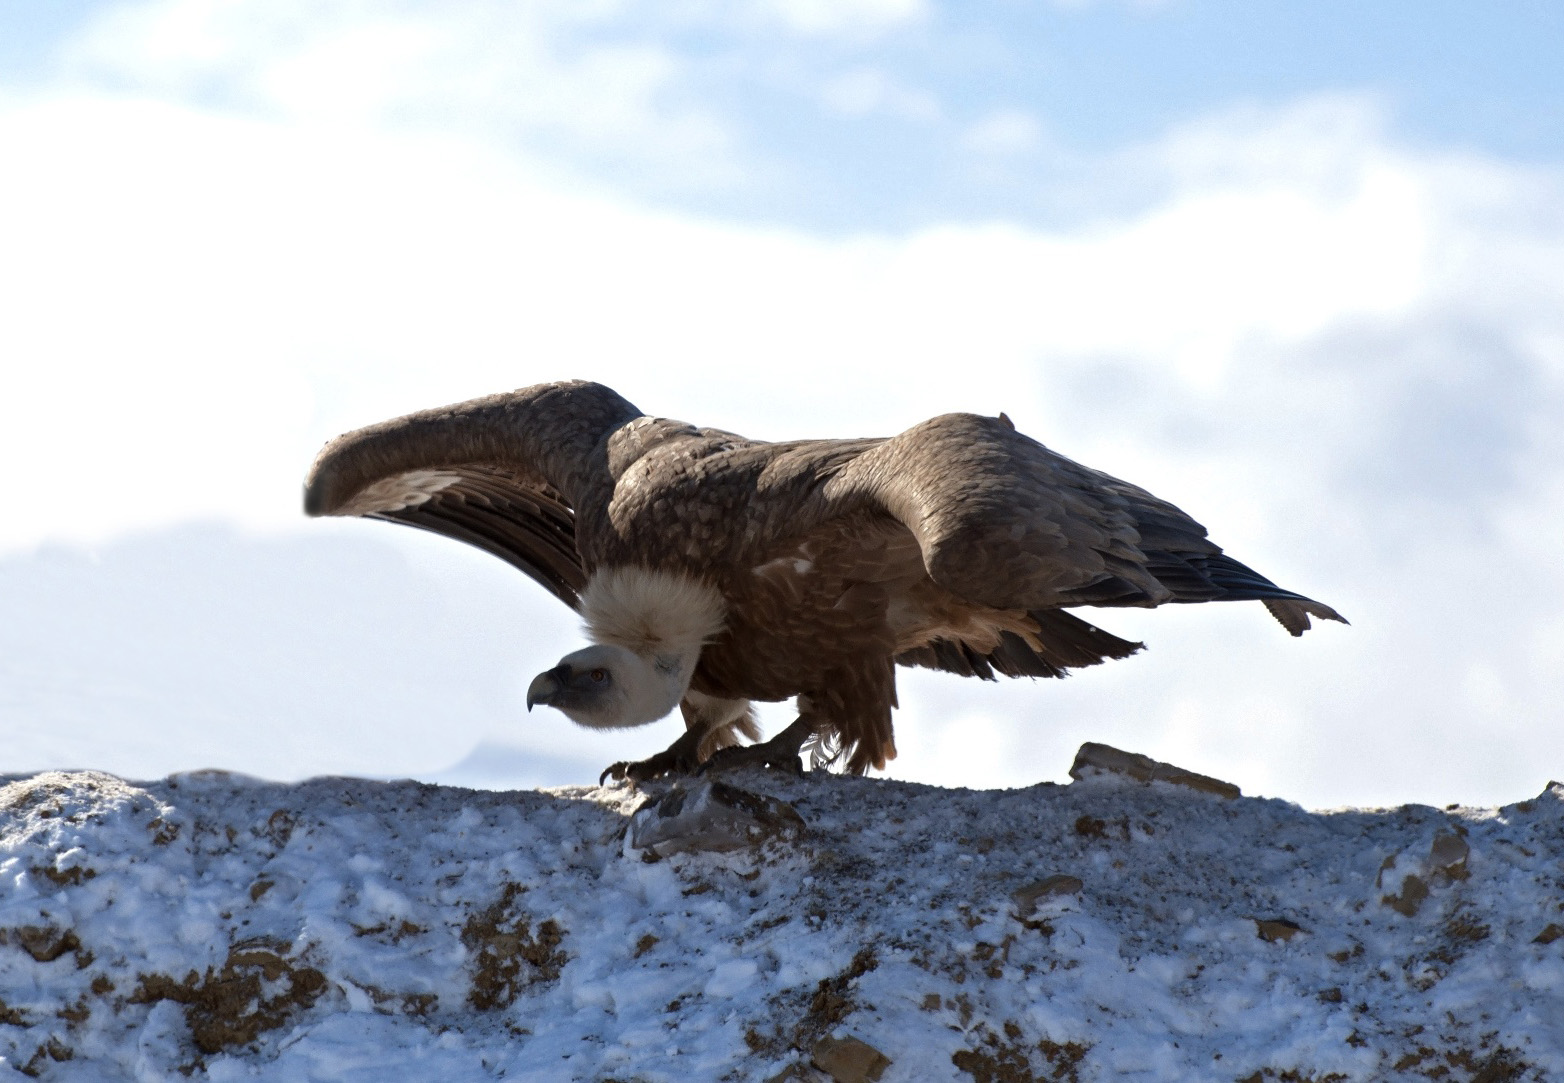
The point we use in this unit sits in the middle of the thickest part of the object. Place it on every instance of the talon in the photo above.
(673, 761)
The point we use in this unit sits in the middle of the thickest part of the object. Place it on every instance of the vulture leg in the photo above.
(709, 724)
(852, 713)
(781, 752)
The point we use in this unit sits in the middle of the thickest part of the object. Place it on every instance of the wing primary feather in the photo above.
(543, 549)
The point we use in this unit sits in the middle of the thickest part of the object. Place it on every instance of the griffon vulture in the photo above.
(711, 570)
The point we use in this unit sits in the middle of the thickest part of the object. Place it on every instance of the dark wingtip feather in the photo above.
(1293, 613)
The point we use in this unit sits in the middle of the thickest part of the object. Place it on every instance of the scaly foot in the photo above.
(781, 752)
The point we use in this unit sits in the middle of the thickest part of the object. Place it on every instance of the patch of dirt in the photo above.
(71, 877)
(258, 989)
(11, 1016)
(54, 1050)
(1465, 929)
(163, 832)
(1009, 1060)
(21, 796)
(831, 1002)
(418, 1005)
(77, 1013)
(385, 931)
(1090, 827)
(279, 828)
(1500, 1066)
(510, 956)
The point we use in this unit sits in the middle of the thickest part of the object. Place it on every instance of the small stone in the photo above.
(711, 816)
(1447, 855)
(1549, 935)
(1027, 898)
(1413, 892)
(848, 1060)
(1273, 929)
(1095, 757)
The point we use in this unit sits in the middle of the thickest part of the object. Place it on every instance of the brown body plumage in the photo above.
(820, 564)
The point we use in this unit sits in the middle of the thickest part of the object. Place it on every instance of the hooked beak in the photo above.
(545, 687)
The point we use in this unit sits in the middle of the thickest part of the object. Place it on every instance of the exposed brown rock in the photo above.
(1096, 757)
(1027, 897)
(1549, 935)
(1447, 856)
(1409, 898)
(1274, 929)
(45, 943)
(848, 1060)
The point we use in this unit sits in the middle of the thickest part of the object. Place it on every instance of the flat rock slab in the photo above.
(849, 1060)
(214, 926)
(1094, 758)
(710, 816)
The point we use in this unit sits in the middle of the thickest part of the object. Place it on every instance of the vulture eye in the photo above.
(598, 675)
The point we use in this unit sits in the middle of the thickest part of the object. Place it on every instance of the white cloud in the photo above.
(835, 17)
(1141, 6)
(1007, 132)
(867, 91)
(200, 281)
(547, 75)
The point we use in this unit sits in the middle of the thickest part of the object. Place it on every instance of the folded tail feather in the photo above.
(1067, 643)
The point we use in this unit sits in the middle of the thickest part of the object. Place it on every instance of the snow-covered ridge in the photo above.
(1110, 929)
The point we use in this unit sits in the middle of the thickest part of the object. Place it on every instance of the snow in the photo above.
(342, 929)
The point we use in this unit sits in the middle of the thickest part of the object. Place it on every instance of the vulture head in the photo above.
(606, 686)
(649, 628)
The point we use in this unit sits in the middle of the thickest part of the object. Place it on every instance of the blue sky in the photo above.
(1297, 268)
(841, 123)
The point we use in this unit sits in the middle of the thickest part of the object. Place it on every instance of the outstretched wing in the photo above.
(1003, 521)
(504, 473)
